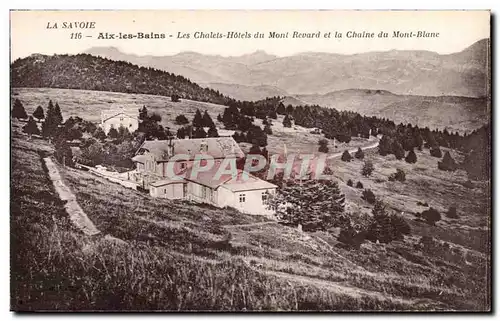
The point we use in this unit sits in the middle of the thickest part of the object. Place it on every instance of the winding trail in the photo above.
(353, 150)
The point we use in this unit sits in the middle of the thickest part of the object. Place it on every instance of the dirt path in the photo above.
(339, 288)
(75, 212)
(371, 146)
(252, 224)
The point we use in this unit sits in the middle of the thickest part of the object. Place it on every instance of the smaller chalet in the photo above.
(116, 118)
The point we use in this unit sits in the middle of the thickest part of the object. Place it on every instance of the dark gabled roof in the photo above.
(119, 113)
(217, 147)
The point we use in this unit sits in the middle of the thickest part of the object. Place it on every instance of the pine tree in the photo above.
(385, 146)
(359, 153)
(18, 110)
(367, 169)
(113, 133)
(436, 152)
(448, 163)
(198, 119)
(207, 120)
(323, 146)
(381, 228)
(398, 150)
(39, 114)
(316, 205)
(281, 109)
(411, 157)
(31, 128)
(287, 122)
(58, 119)
(99, 134)
(199, 132)
(181, 133)
(212, 132)
(346, 157)
(50, 126)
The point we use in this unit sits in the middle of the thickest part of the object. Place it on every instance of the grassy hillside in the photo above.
(178, 255)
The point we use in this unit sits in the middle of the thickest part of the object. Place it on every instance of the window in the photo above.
(264, 196)
(242, 198)
(183, 165)
(130, 125)
(121, 118)
(165, 191)
(204, 192)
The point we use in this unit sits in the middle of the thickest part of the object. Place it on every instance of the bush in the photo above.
(351, 238)
(422, 204)
(452, 212)
(436, 152)
(346, 157)
(359, 153)
(367, 169)
(349, 182)
(369, 196)
(181, 120)
(411, 158)
(323, 146)
(359, 185)
(431, 216)
(398, 176)
(469, 184)
(175, 98)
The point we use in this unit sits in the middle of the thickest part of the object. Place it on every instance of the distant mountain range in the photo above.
(259, 75)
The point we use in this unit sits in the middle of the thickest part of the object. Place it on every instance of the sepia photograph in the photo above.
(250, 161)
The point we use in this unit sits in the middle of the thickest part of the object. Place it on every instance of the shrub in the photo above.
(349, 182)
(351, 238)
(448, 163)
(367, 169)
(369, 196)
(346, 157)
(31, 128)
(181, 120)
(359, 185)
(436, 152)
(411, 158)
(175, 98)
(398, 176)
(452, 212)
(422, 204)
(469, 184)
(398, 150)
(400, 226)
(18, 110)
(323, 146)
(359, 153)
(431, 216)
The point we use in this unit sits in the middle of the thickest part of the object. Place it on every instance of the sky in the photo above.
(457, 30)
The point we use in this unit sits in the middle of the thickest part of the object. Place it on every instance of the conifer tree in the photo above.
(316, 205)
(359, 153)
(113, 133)
(212, 132)
(287, 122)
(367, 169)
(181, 133)
(411, 157)
(18, 110)
(31, 128)
(346, 157)
(398, 150)
(385, 146)
(198, 119)
(207, 120)
(381, 228)
(58, 119)
(38, 113)
(448, 163)
(199, 132)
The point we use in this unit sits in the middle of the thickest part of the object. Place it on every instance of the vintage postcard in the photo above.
(248, 161)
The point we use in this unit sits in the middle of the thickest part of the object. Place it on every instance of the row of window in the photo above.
(243, 197)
